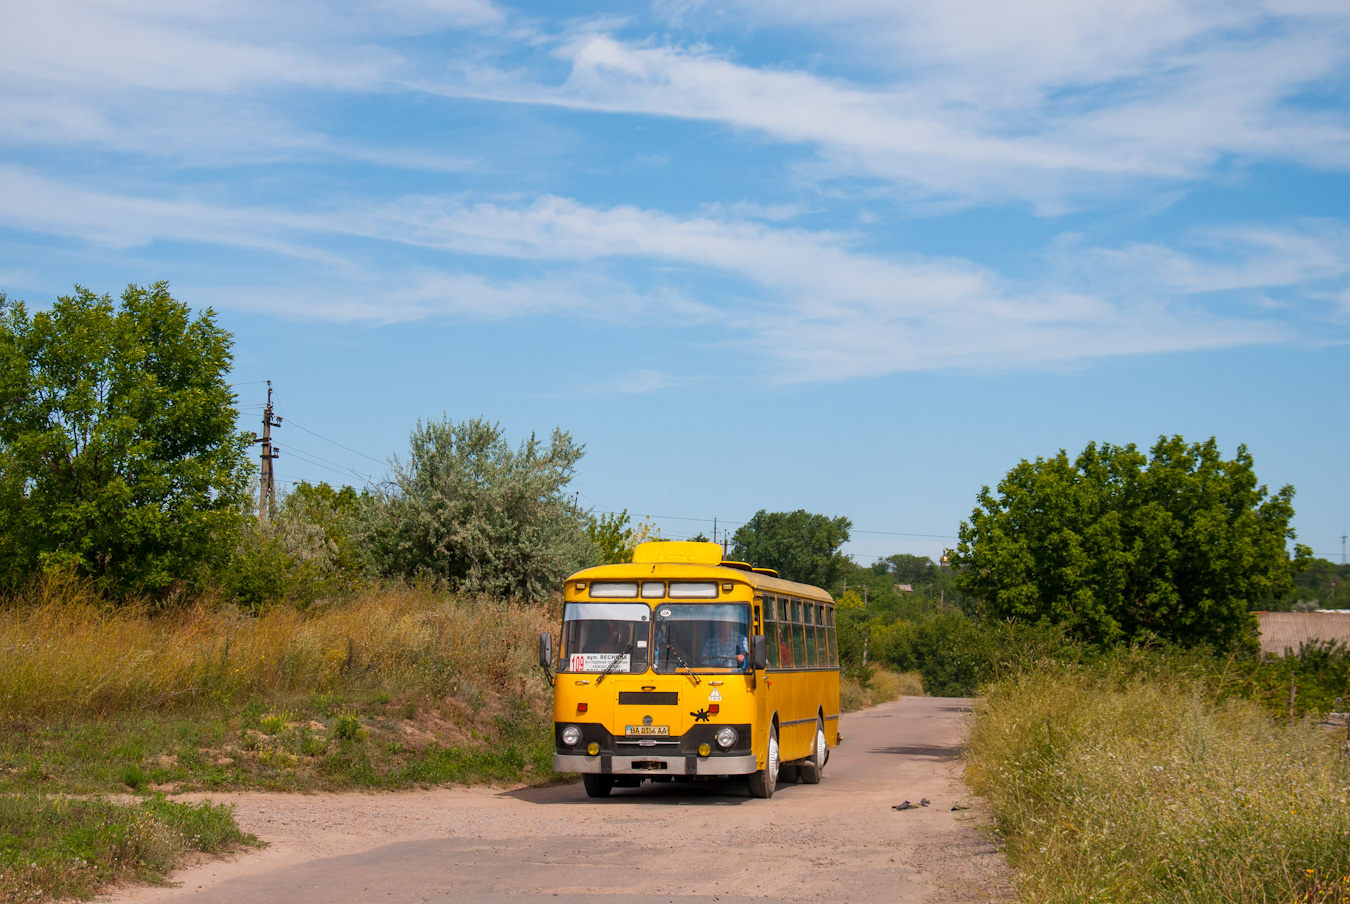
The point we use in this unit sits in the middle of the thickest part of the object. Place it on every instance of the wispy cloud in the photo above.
(1051, 102)
(809, 304)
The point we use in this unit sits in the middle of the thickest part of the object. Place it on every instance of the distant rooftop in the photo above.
(1282, 631)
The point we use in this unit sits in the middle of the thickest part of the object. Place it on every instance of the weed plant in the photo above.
(53, 848)
(1111, 784)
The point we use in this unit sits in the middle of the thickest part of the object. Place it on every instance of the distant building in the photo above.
(905, 588)
(1281, 631)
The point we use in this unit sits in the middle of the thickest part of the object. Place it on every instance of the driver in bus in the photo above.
(614, 642)
(725, 650)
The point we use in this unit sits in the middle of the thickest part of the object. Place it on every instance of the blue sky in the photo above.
(754, 254)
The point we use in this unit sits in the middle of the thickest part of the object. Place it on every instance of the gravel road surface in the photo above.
(840, 840)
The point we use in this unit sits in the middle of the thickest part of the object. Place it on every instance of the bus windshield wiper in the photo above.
(680, 659)
(617, 659)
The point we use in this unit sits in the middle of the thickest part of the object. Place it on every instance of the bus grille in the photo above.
(649, 698)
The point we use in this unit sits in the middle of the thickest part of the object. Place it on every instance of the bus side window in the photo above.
(809, 620)
(771, 632)
(798, 636)
(822, 642)
(785, 633)
(832, 640)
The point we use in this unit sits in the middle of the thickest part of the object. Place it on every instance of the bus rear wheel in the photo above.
(811, 767)
(763, 782)
(597, 785)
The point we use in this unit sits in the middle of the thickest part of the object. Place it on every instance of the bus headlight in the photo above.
(571, 735)
(726, 737)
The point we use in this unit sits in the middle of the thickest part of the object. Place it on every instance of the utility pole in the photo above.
(267, 489)
(1342, 549)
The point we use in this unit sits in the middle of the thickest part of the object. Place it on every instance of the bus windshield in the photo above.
(702, 636)
(596, 634)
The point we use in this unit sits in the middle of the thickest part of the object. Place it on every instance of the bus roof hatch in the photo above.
(684, 551)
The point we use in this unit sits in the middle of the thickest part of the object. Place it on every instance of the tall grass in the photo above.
(66, 655)
(1113, 786)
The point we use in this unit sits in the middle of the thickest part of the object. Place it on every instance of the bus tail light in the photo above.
(581, 707)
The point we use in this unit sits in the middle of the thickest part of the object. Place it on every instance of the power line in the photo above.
(336, 443)
(310, 459)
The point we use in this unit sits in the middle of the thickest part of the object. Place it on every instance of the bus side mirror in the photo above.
(545, 650)
(759, 653)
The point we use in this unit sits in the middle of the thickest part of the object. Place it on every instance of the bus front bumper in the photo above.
(655, 764)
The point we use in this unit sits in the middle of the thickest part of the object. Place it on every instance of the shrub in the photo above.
(468, 510)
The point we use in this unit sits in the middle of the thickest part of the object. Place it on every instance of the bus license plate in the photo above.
(636, 730)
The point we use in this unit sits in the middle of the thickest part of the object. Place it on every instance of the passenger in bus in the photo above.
(725, 649)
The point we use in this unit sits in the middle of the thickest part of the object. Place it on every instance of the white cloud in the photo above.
(1215, 259)
(813, 306)
(1053, 101)
(384, 298)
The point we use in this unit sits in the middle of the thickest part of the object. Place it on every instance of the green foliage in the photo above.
(957, 655)
(467, 509)
(1319, 584)
(612, 536)
(119, 459)
(907, 569)
(1119, 546)
(801, 546)
(303, 553)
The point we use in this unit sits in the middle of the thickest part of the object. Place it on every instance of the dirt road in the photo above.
(836, 841)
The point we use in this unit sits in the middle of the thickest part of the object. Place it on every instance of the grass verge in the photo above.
(58, 847)
(1112, 786)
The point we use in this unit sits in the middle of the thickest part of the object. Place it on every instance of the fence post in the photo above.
(1293, 691)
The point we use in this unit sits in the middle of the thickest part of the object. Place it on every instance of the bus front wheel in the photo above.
(763, 782)
(597, 785)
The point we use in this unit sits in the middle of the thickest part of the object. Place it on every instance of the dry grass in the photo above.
(883, 686)
(64, 655)
(1121, 789)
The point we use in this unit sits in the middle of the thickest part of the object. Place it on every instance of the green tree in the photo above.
(119, 458)
(907, 569)
(612, 536)
(1320, 584)
(1117, 545)
(469, 510)
(801, 546)
(303, 553)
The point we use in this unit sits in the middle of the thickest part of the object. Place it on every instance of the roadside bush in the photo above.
(956, 654)
(301, 555)
(467, 510)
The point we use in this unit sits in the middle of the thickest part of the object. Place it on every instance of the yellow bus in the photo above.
(681, 666)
